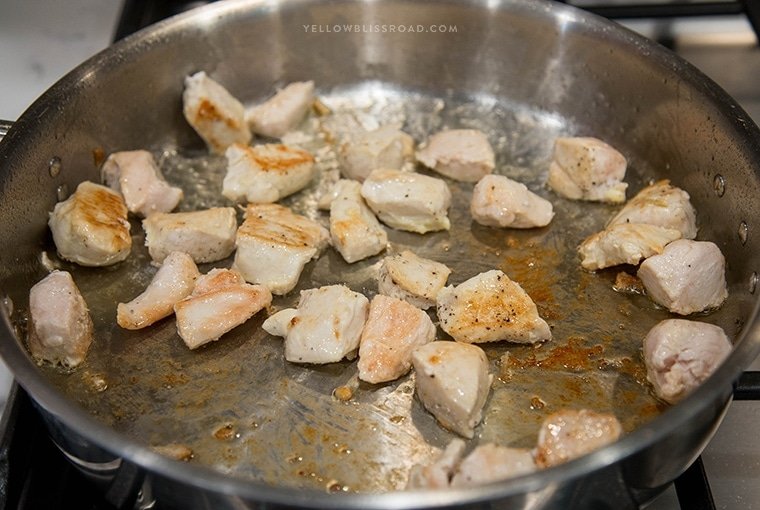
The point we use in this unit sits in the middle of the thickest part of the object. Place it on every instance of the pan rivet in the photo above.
(743, 232)
(62, 192)
(752, 282)
(719, 185)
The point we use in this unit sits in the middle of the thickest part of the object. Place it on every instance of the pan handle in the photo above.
(5, 126)
(747, 387)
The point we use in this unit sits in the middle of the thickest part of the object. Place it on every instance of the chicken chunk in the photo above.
(274, 244)
(326, 326)
(215, 279)
(570, 433)
(625, 243)
(490, 463)
(137, 177)
(408, 200)
(461, 154)
(411, 278)
(687, 277)
(90, 227)
(394, 328)
(365, 151)
(207, 235)
(660, 204)
(214, 113)
(266, 173)
(490, 307)
(498, 201)
(173, 282)
(279, 323)
(585, 168)
(219, 304)
(437, 475)
(60, 327)
(282, 112)
(354, 230)
(680, 354)
(453, 382)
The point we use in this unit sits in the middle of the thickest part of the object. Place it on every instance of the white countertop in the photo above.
(41, 40)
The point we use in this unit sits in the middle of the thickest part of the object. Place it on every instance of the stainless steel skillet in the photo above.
(524, 72)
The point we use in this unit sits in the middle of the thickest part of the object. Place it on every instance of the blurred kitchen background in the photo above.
(41, 40)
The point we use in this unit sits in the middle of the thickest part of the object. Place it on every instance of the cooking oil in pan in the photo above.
(242, 409)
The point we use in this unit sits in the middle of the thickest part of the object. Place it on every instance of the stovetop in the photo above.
(39, 43)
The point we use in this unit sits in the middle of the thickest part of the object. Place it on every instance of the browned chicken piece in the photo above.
(91, 227)
(354, 229)
(485, 464)
(687, 277)
(60, 328)
(437, 474)
(680, 354)
(570, 433)
(660, 204)
(325, 328)
(411, 278)
(626, 243)
(461, 154)
(263, 174)
(453, 383)
(394, 328)
(365, 151)
(173, 282)
(137, 177)
(204, 317)
(214, 113)
(490, 463)
(490, 307)
(408, 200)
(274, 244)
(216, 279)
(207, 235)
(585, 168)
(283, 111)
(498, 201)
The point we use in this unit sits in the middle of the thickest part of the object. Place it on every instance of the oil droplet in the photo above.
(537, 403)
(752, 282)
(398, 419)
(719, 185)
(54, 166)
(743, 232)
(294, 458)
(341, 449)
(334, 486)
(8, 305)
(62, 192)
(343, 393)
